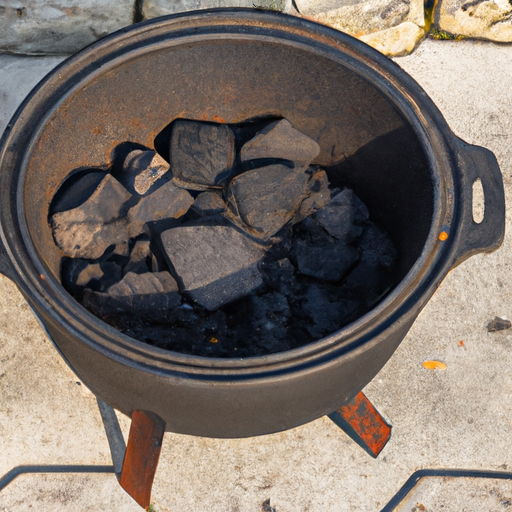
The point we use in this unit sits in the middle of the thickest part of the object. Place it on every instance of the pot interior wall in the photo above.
(365, 142)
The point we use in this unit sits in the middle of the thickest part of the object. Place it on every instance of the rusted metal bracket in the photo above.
(135, 465)
(362, 422)
(141, 458)
(358, 418)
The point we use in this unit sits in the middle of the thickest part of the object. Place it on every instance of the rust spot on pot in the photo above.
(136, 122)
(42, 141)
(110, 150)
(150, 141)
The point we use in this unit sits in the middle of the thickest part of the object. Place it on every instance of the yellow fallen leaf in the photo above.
(434, 365)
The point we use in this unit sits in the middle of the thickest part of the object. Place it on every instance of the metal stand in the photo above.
(142, 453)
(135, 464)
(362, 422)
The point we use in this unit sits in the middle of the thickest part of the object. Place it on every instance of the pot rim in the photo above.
(436, 258)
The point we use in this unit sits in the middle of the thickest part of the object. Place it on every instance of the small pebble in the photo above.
(498, 324)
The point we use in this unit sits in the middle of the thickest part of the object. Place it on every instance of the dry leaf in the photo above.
(434, 365)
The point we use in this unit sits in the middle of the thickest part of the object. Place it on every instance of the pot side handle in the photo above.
(476, 162)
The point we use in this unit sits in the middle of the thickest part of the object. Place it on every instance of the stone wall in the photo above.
(394, 27)
(59, 26)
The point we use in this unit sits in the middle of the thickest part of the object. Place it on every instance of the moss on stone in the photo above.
(437, 33)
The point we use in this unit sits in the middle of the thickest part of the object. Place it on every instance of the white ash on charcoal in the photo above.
(141, 170)
(237, 247)
(89, 229)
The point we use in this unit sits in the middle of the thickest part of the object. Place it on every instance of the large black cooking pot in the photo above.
(379, 134)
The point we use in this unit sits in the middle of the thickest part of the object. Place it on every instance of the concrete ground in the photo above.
(460, 418)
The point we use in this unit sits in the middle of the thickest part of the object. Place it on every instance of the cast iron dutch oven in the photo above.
(379, 134)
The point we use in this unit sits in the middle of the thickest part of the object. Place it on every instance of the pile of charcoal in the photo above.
(233, 245)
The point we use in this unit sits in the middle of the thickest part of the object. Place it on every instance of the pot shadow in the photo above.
(391, 175)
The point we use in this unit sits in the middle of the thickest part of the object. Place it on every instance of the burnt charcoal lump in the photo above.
(319, 194)
(267, 198)
(281, 140)
(201, 153)
(344, 216)
(78, 274)
(312, 231)
(326, 311)
(215, 264)
(166, 202)
(319, 255)
(88, 230)
(263, 322)
(377, 248)
(373, 276)
(221, 255)
(89, 273)
(104, 205)
(152, 294)
(329, 261)
(139, 256)
(87, 239)
(280, 275)
(141, 169)
(121, 249)
(76, 190)
(209, 203)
